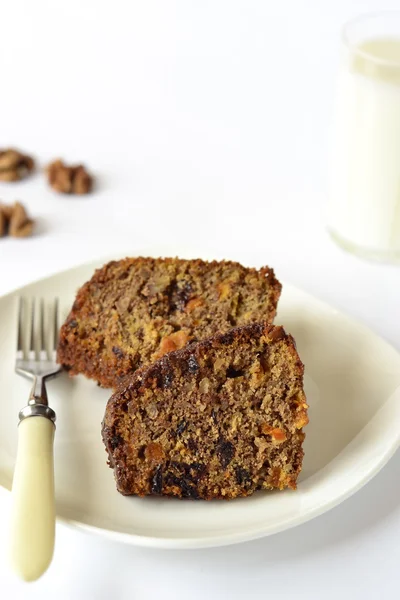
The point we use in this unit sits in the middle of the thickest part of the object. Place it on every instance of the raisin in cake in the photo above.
(220, 418)
(135, 310)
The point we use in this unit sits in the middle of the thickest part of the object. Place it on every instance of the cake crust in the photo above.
(220, 418)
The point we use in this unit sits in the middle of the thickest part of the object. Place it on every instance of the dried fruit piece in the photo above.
(276, 433)
(154, 452)
(193, 303)
(116, 440)
(302, 418)
(14, 165)
(224, 289)
(243, 477)
(225, 451)
(175, 341)
(117, 351)
(69, 179)
(180, 295)
(279, 435)
(181, 427)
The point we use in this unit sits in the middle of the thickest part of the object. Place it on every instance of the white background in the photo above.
(207, 127)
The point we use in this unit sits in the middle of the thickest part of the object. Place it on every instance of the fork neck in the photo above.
(38, 393)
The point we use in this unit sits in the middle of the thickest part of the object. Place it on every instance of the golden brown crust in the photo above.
(218, 419)
(134, 310)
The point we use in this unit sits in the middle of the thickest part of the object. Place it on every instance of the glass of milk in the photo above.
(364, 204)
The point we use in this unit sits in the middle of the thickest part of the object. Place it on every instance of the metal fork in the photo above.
(33, 511)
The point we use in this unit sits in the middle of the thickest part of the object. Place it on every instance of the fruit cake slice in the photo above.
(135, 310)
(220, 418)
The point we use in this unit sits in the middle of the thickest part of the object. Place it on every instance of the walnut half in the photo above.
(14, 165)
(15, 221)
(69, 180)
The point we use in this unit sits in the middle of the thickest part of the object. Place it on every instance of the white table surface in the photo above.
(207, 127)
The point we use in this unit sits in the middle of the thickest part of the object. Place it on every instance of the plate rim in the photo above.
(225, 539)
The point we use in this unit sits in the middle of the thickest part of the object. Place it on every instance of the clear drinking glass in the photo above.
(364, 203)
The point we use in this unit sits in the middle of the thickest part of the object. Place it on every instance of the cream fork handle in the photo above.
(33, 511)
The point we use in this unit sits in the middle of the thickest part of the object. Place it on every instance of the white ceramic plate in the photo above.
(352, 383)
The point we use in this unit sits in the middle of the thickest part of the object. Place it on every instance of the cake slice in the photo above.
(135, 310)
(220, 418)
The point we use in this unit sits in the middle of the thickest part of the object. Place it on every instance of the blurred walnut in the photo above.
(15, 221)
(69, 180)
(14, 165)
(3, 223)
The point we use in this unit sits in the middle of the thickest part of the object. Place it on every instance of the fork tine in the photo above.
(56, 327)
(43, 353)
(20, 345)
(32, 352)
(35, 358)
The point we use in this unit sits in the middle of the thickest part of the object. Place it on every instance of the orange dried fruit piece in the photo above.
(175, 341)
(276, 433)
